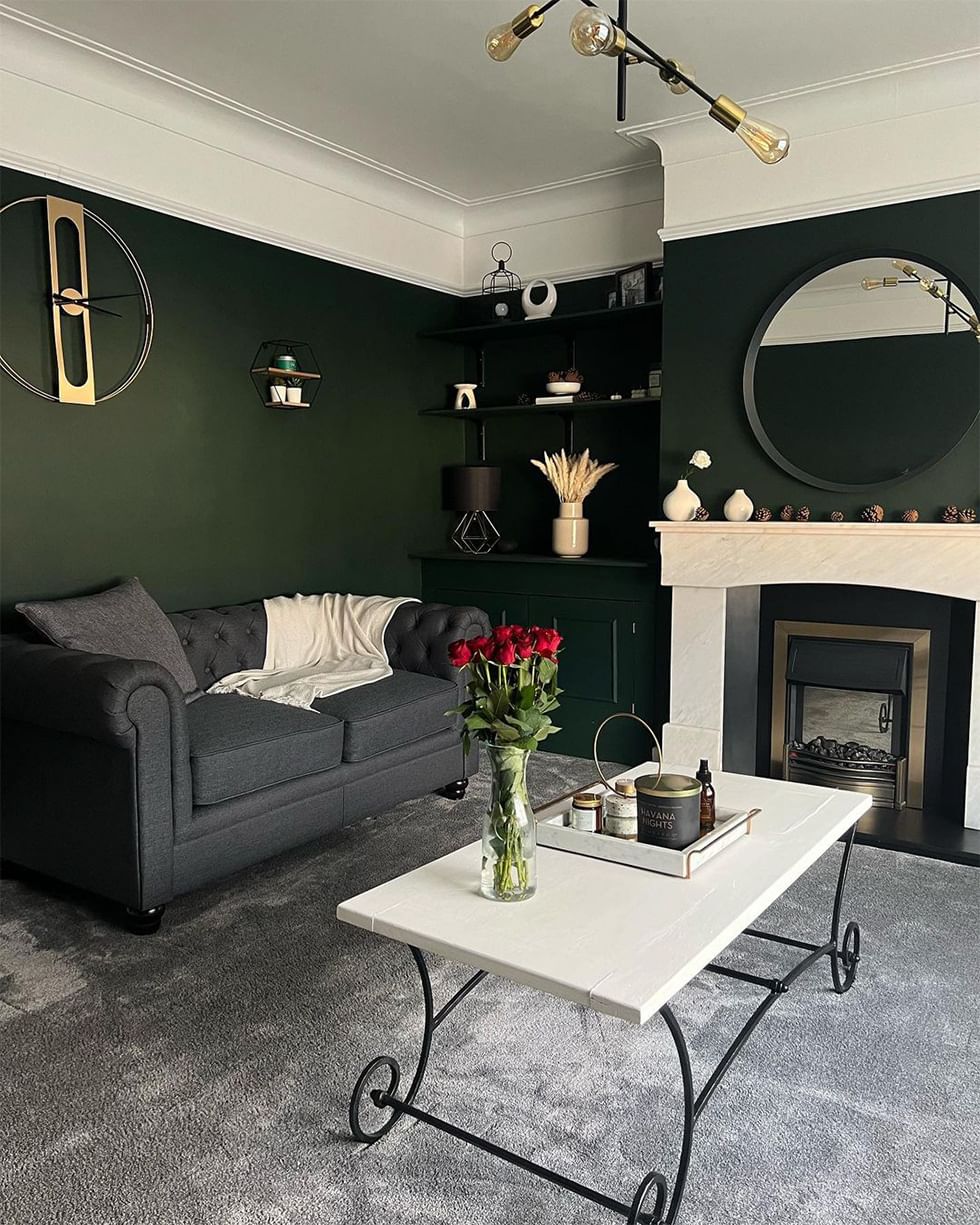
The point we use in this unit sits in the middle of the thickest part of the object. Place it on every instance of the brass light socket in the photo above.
(527, 22)
(726, 112)
(619, 45)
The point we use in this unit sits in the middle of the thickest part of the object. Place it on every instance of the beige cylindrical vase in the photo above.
(570, 531)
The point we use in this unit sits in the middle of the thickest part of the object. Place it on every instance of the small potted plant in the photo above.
(294, 390)
(572, 477)
(512, 692)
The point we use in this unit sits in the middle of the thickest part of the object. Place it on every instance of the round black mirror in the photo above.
(864, 371)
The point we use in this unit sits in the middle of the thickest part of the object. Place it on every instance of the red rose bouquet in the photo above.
(513, 689)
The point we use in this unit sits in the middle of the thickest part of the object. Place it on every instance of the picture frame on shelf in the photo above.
(639, 285)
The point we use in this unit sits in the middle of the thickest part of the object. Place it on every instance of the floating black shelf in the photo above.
(565, 412)
(612, 317)
(539, 410)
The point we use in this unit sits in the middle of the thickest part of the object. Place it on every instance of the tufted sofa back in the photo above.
(222, 640)
(230, 639)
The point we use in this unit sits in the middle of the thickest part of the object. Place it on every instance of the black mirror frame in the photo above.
(748, 372)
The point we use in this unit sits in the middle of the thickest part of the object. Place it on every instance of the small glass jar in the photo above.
(586, 812)
(619, 811)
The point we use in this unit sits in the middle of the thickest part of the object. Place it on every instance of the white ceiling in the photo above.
(407, 83)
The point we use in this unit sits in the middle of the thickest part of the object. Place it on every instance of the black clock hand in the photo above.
(104, 297)
(60, 300)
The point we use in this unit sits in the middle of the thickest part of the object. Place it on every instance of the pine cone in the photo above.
(702, 514)
(950, 514)
(873, 514)
(910, 516)
(803, 515)
(969, 515)
(573, 376)
(786, 514)
(554, 376)
(836, 516)
(762, 515)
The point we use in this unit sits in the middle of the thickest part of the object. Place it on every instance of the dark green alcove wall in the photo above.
(186, 479)
(717, 287)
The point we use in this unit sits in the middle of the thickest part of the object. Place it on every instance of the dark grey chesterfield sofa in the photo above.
(111, 783)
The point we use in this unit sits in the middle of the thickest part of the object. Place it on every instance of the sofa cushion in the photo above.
(124, 621)
(240, 745)
(402, 708)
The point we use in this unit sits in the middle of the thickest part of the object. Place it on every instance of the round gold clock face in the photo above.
(76, 318)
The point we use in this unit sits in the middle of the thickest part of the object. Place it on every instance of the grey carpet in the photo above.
(201, 1076)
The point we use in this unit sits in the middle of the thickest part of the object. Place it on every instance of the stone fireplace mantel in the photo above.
(705, 563)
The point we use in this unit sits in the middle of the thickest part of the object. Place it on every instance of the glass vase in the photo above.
(509, 845)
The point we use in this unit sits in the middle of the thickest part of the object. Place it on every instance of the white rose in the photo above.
(701, 459)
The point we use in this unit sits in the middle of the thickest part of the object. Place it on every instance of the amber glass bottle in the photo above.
(707, 798)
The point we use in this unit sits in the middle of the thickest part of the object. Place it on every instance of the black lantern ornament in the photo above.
(502, 286)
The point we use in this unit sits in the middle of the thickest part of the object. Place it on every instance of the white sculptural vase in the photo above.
(465, 397)
(543, 309)
(739, 507)
(681, 504)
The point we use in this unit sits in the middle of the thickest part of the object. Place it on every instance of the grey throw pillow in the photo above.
(124, 621)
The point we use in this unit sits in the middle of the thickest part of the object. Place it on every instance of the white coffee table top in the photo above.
(618, 939)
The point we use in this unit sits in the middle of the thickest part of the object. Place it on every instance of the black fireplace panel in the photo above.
(951, 623)
(837, 664)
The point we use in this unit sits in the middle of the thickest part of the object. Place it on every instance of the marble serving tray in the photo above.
(553, 830)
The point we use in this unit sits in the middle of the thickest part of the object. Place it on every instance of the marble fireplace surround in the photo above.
(707, 563)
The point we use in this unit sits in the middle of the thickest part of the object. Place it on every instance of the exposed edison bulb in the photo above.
(594, 32)
(768, 142)
(872, 283)
(503, 40)
(902, 266)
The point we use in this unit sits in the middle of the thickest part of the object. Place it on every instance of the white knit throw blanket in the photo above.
(318, 645)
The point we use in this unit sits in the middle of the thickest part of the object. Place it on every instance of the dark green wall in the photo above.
(186, 479)
(716, 289)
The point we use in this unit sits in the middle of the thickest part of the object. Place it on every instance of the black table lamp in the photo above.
(471, 490)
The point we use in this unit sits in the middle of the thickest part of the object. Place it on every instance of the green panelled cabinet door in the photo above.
(597, 672)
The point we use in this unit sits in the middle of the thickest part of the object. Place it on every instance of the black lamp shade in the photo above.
(469, 487)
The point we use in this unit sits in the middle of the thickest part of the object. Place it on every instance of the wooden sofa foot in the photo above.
(454, 791)
(143, 922)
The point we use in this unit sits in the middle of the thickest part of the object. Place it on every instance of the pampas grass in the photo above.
(572, 477)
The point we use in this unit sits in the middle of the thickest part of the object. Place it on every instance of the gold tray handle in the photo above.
(625, 714)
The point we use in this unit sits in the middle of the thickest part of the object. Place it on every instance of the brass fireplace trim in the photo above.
(920, 642)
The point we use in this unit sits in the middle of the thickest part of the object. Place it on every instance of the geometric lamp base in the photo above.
(475, 533)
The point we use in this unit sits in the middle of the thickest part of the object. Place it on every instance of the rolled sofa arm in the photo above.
(96, 769)
(418, 636)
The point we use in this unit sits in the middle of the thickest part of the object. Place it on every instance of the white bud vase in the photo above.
(681, 504)
(739, 507)
(570, 531)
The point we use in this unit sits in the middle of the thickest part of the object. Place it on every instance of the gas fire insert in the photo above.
(849, 708)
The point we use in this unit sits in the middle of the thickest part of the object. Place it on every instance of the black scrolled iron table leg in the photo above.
(846, 954)
(394, 1070)
(655, 1181)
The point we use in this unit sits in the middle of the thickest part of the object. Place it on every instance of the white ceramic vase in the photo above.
(681, 504)
(277, 393)
(739, 507)
(294, 395)
(570, 531)
(543, 309)
(465, 395)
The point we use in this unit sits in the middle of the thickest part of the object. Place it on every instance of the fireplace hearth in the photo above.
(849, 767)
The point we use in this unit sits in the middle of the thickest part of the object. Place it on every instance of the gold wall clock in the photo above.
(76, 317)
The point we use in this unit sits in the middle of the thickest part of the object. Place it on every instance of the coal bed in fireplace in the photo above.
(849, 708)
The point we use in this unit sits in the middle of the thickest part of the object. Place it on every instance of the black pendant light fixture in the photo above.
(594, 32)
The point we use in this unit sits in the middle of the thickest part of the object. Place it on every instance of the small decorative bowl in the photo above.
(563, 389)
